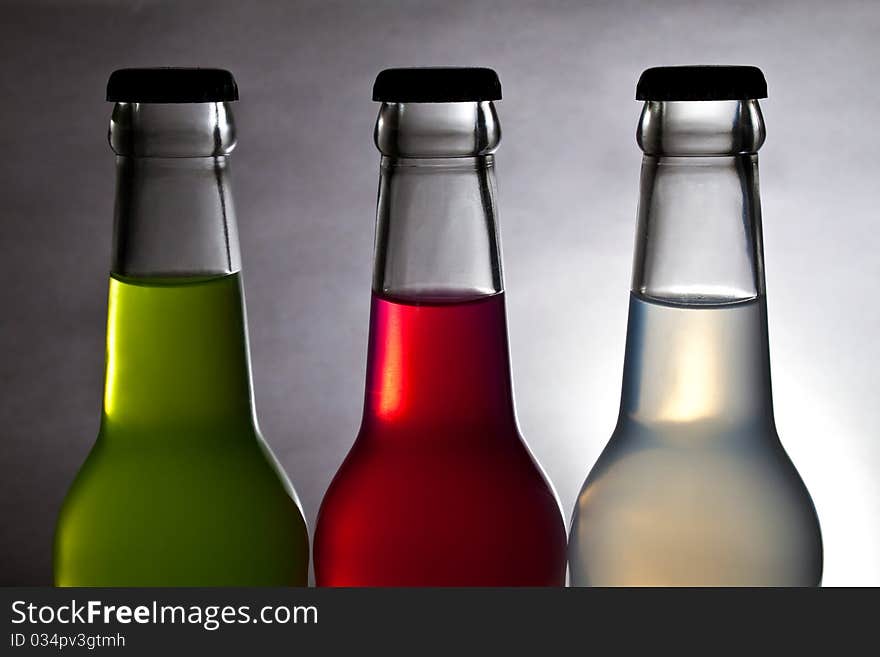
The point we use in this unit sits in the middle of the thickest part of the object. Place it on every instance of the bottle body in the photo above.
(702, 492)
(180, 489)
(439, 488)
(694, 487)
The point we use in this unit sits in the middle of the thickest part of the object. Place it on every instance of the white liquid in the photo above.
(694, 487)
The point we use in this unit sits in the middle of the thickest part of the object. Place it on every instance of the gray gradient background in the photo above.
(305, 176)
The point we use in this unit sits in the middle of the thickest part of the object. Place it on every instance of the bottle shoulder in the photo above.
(679, 512)
(180, 514)
(132, 463)
(477, 464)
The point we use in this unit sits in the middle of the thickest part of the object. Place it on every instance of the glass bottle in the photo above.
(694, 488)
(439, 488)
(180, 488)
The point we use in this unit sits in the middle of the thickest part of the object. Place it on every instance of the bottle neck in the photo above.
(697, 365)
(698, 239)
(438, 352)
(436, 233)
(177, 355)
(438, 370)
(175, 217)
(697, 338)
(177, 359)
(174, 213)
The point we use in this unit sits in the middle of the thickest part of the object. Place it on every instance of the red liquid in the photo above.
(439, 488)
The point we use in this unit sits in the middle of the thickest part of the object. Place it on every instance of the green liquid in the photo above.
(179, 488)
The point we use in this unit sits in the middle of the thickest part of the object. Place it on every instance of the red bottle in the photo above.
(439, 488)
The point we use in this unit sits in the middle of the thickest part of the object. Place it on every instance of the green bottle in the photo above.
(179, 489)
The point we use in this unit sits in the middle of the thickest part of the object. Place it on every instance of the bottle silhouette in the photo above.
(179, 489)
(694, 487)
(439, 488)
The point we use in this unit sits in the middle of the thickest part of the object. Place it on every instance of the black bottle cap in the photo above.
(171, 85)
(701, 83)
(436, 85)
